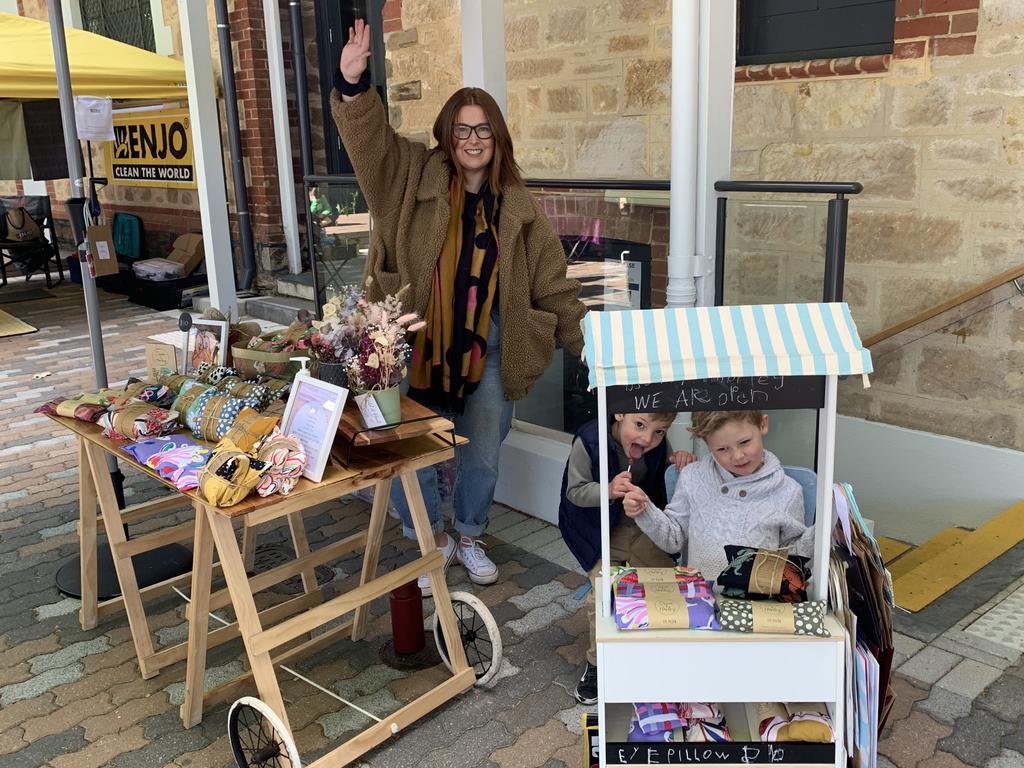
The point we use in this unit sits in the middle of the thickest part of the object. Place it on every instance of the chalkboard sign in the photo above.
(735, 393)
(736, 753)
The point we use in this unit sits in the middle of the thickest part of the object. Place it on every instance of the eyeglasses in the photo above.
(483, 131)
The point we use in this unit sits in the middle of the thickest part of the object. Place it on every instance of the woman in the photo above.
(485, 270)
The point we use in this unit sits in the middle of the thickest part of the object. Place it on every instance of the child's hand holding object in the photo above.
(620, 485)
(634, 501)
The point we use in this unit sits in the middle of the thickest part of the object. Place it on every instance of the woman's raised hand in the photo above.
(355, 52)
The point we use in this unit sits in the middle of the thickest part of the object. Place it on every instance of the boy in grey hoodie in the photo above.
(738, 494)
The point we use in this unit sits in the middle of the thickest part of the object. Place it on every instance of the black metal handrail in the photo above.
(660, 185)
(656, 185)
(835, 228)
(799, 187)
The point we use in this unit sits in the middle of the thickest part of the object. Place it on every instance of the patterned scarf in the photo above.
(448, 354)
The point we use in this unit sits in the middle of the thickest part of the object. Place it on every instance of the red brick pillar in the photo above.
(252, 81)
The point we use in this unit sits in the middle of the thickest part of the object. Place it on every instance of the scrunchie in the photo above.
(285, 460)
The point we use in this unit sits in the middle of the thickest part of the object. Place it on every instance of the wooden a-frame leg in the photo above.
(371, 555)
(123, 565)
(198, 621)
(86, 539)
(249, 548)
(245, 610)
(438, 583)
(301, 545)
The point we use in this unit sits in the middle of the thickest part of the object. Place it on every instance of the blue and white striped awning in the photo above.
(652, 345)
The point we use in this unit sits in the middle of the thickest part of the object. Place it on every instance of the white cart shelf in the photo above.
(792, 356)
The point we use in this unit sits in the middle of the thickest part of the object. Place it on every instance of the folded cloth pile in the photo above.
(250, 429)
(137, 419)
(773, 618)
(189, 391)
(763, 573)
(229, 476)
(675, 722)
(663, 598)
(213, 413)
(794, 722)
(208, 373)
(159, 395)
(87, 406)
(176, 381)
(258, 394)
(176, 458)
(656, 721)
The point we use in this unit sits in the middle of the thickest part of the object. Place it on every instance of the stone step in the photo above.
(202, 303)
(277, 309)
(298, 286)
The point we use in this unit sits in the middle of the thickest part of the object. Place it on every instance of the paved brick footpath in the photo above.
(74, 699)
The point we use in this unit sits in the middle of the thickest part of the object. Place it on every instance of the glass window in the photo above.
(341, 235)
(616, 245)
(128, 21)
(793, 30)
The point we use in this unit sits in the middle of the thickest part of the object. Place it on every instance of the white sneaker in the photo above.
(478, 565)
(448, 553)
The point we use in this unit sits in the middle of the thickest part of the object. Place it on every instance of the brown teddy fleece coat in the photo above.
(406, 188)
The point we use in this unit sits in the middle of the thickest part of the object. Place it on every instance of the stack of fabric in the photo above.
(663, 598)
(677, 722)
(794, 722)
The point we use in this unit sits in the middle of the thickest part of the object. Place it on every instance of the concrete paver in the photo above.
(75, 698)
(929, 664)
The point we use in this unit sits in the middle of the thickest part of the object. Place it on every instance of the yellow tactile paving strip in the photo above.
(925, 583)
(931, 548)
(892, 548)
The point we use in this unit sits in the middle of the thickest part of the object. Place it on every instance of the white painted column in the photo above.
(72, 12)
(207, 154)
(681, 290)
(483, 48)
(714, 132)
(703, 60)
(282, 134)
(162, 37)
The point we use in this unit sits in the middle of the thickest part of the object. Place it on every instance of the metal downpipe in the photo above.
(227, 67)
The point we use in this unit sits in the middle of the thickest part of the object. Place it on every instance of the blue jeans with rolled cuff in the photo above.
(485, 421)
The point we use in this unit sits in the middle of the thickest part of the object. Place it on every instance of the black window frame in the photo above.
(333, 18)
(764, 25)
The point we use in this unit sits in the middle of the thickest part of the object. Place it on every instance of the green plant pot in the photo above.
(390, 403)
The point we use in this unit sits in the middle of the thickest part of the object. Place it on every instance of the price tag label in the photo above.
(370, 411)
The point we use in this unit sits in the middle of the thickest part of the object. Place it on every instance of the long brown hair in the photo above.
(504, 170)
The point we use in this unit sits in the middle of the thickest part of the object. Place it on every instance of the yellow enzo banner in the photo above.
(151, 149)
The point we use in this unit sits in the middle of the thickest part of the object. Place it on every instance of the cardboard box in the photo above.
(102, 257)
(187, 251)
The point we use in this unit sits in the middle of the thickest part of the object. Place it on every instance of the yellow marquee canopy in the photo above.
(99, 66)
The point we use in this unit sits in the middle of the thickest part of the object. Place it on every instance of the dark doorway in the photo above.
(333, 18)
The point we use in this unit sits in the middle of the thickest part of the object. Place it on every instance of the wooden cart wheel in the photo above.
(480, 636)
(258, 737)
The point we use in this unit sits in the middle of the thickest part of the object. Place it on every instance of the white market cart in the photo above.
(722, 358)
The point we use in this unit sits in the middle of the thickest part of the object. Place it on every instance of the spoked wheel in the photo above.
(480, 636)
(258, 737)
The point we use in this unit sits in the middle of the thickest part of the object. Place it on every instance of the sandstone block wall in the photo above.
(936, 140)
(588, 81)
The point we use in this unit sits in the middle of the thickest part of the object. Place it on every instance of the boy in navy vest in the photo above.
(638, 454)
